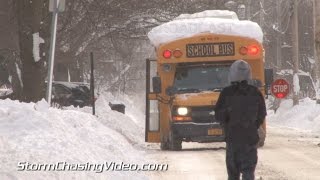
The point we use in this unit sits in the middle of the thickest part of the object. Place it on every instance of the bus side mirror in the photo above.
(268, 78)
(156, 84)
(171, 90)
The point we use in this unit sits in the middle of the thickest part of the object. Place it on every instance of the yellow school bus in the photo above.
(190, 73)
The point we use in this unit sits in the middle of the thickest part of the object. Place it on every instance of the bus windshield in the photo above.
(192, 79)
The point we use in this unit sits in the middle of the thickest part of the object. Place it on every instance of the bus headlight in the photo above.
(182, 111)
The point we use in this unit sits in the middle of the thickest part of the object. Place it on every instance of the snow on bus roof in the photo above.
(187, 27)
(224, 14)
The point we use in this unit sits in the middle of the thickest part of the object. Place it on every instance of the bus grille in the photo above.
(202, 114)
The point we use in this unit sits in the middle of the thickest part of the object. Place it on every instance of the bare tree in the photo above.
(31, 16)
(295, 52)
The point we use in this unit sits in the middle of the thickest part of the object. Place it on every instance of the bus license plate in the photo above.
(214, 132)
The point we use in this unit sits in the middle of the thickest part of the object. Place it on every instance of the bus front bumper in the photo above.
(198, 132)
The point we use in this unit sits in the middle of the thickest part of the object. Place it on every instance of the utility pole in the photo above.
(52, 48)
(55, 6)
(279, 49)
(316, 33)
(276, 102)
(92, 84)
(295, 52)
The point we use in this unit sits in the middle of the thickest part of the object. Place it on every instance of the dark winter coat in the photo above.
(241, 110)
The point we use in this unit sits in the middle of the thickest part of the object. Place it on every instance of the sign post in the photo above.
(55, 7)
(92, 85)
(280, 88)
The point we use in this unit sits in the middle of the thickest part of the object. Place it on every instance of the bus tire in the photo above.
(175, 144)
(262, 137)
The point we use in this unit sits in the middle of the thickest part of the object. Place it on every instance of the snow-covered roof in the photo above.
(290, 72)
(187, 27)
(72, 84)
(224, 14)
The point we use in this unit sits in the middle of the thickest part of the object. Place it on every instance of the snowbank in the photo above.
(182, 28)
(130, 125)
(36, 133)
(305, 116)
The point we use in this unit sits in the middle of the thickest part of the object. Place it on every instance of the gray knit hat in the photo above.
(239, 71)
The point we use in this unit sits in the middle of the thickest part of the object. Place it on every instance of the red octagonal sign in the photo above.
(280, 88)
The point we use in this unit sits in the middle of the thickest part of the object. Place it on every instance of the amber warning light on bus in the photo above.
(177, 53)
(249, 50)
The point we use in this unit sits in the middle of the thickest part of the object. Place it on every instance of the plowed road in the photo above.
(287, 154)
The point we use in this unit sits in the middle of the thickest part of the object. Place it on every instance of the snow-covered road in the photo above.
(288, 154)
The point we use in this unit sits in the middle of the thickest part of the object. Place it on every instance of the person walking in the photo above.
(241, 110)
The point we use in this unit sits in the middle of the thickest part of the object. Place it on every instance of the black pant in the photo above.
(241, 159)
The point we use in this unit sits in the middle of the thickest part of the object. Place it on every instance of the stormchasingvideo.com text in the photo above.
(93, 167)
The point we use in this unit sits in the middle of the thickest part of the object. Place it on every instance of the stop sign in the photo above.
(280, 88)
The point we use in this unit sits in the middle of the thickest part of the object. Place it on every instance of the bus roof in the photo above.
(182, 28)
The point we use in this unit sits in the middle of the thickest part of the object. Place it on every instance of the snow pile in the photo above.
(5, 89)
(35, 133)
(135, 106)
(224, 14)
(130, 125)
(182, 28)
(305, 116)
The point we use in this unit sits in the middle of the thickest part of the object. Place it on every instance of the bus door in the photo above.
(152, 124)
